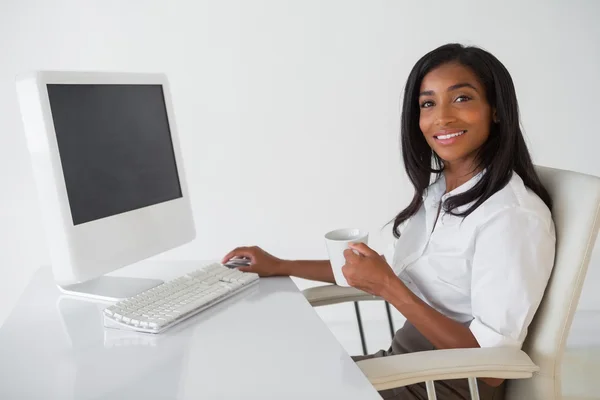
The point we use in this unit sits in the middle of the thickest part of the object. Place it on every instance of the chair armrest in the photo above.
(333, 294)
(406, 369)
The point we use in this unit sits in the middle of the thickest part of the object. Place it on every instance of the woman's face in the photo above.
(455, 116)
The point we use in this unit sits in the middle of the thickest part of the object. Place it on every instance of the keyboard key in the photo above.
(210, 280)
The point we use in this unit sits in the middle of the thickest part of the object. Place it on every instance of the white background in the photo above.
(288, 111)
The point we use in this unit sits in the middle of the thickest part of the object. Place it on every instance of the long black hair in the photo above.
(503, 152)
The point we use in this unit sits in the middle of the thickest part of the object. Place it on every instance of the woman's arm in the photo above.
(266, 264)
(441, 331)
(316, 270)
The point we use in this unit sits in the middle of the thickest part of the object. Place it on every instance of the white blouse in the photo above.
(488, 270)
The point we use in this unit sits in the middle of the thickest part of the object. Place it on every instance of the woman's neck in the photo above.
(458, 173)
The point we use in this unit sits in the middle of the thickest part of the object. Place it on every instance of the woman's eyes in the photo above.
(459, 99)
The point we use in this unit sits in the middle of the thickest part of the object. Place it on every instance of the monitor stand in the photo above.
(109, 288)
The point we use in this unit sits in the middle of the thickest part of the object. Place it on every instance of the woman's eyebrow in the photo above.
(451, 88)
(461, 85)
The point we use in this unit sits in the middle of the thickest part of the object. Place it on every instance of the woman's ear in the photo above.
(495, 116)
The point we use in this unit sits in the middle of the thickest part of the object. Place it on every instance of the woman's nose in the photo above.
(444, 116)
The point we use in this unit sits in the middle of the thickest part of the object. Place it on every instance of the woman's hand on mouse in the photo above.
(261, 262)
(367, 271)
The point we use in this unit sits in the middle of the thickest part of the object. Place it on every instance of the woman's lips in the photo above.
(448, 138)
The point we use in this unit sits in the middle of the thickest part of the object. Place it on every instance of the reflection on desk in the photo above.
(55, 347)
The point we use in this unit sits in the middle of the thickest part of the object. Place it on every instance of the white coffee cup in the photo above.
(337, 241)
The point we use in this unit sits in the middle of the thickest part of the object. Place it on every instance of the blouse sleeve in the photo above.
(512, 262)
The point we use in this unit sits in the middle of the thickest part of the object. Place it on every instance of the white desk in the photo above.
(264, 344)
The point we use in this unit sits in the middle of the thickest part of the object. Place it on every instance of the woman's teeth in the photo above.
(451, 135)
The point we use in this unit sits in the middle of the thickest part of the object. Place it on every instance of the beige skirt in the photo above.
(409, 340)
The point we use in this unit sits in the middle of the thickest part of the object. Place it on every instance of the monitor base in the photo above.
(109, 288)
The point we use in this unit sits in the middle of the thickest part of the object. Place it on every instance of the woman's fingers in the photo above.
(362, 248)
(350, 256)
(239, 252)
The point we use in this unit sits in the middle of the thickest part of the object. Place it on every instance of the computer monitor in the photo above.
(109, 172)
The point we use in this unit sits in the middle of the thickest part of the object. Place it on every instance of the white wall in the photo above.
(288, 111)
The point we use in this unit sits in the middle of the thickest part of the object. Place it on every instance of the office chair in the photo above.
(533, 372)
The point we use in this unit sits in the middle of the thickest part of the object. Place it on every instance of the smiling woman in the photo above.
(475, 247)
(460, 115)
(449, 110)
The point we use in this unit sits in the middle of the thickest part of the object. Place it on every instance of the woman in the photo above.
(475, 248)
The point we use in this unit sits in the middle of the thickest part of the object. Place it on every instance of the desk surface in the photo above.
(267, 343)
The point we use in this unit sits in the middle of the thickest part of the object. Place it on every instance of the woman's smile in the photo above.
(448, 137)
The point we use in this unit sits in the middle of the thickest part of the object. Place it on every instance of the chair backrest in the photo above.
(576, 209)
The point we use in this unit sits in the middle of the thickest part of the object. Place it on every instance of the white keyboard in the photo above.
(165, 305)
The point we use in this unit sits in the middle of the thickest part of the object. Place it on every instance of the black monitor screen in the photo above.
(115, 148)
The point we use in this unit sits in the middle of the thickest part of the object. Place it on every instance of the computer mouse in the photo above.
(238, 262)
